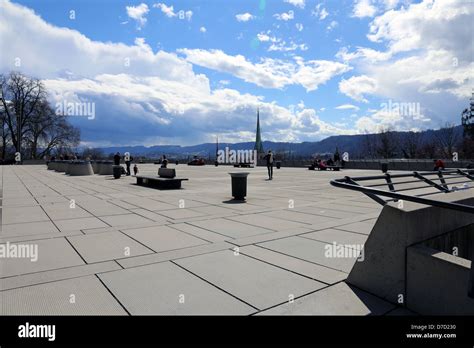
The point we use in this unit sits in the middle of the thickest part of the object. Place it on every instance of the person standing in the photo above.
(269, 158)
(135, 170)
(164, 162)
(128, 161)
(117, 159)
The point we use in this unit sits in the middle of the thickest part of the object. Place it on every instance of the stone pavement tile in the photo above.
(150, 215)
(28, 228)
(163, 238)
(122, 204)
(181, 195)
(52, 253)
(18, 201)
(215, 210)
(15, 215)
(255, 282)
(90, 298)
(339, 299)
(107, 246)
(57, 274)
(51, 199)
(63, 211)
(271, 223)
(290, 215)
(345, 208)
(33, 237)
(308, 269)
(181, 213)
(79, 224)
(331, 235)
(202, 233)
(173, 254)
(270, 236)
(312, 251)
(166, 289)
(126, 220)
(104, 208)
(233, 229)
(151, 204)
(357, 227)
(327, 212)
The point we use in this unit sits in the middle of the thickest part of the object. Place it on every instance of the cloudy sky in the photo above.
(182, 72)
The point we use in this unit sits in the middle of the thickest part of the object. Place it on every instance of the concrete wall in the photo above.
(437, 282)
(383, 270)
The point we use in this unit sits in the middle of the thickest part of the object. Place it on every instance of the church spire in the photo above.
(258, 138)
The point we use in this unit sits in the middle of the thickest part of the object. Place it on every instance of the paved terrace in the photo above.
(121, 249)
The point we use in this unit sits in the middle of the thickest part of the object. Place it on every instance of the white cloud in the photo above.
(202, 29)
(367, 54)
(297, 3)
(278, 44)
(244, 17)
(347, 107)
(357, 86)
(427, 58)
(138, 13)
(149, 100)
(268, 73)
(170, 12)
(299, 26)
(332, 25)
(364, 8)
(320, 12)
(282, 46)
(285, 16)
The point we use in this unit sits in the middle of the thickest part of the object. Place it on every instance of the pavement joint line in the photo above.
(113, 295)
(175, 258)
(228, 293)
(190, 234)
(299, 258)
(78, 253)
(286, 269)
(126, 235)
(298, 297)
(50, 271)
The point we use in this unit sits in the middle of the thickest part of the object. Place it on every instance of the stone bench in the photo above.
(160, 183)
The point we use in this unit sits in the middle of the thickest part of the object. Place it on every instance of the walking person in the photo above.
(269, 158)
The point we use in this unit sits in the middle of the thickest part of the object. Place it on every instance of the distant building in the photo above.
(258, 138)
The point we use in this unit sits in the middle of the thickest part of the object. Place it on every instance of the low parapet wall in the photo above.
(384, 269)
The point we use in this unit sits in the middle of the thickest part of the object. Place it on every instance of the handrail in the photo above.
(353, 183)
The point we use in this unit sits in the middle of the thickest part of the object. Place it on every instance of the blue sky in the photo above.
(197, 69)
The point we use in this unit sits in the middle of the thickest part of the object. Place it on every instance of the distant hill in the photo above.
(353, 144)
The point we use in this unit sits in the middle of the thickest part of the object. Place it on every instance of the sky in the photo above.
(183, 72)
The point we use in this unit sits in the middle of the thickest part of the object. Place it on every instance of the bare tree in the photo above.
(24, 93)
(369, 145)
(412, 143)
(447, 139)
(93, 153)
(28, 119)
(387, 143)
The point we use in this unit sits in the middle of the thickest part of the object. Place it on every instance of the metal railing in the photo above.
(440, 182)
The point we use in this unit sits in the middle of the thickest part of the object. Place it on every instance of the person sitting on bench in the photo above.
(439, 165)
